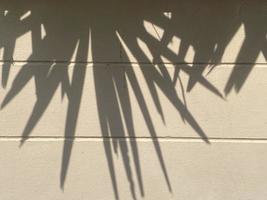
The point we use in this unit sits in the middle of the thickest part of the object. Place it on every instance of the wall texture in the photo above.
(125, 99)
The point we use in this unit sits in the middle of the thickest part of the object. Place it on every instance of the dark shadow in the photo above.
(255, 43)
(69, 32)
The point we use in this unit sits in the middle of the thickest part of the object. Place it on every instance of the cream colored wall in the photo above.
(133, 100)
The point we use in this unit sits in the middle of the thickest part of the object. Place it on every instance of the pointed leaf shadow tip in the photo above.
(4, 102)
(2, 105)
(61, 186)
(227, 91)
(22, 142)
(183, 119)
(223, 97)
(62, 181)
(163, 119)
(142, 193)
(170, 189)
(207, 141)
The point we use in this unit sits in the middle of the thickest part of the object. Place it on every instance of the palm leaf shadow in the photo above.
(112, 86)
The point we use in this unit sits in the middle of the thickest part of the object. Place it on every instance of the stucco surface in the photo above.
(133, 100)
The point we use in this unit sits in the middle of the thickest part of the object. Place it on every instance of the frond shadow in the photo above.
(71, 36)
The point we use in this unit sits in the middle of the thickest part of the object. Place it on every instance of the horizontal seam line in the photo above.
(141, 137)
(114, 62)
(175, 139)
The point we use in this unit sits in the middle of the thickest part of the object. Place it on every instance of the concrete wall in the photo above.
(133, 99)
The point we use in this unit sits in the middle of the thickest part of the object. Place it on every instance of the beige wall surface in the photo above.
(137, 99)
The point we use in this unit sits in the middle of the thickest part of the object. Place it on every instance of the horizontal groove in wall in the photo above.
(20, 63)
(141, 139)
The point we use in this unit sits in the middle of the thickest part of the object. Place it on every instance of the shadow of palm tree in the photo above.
(70, 37)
